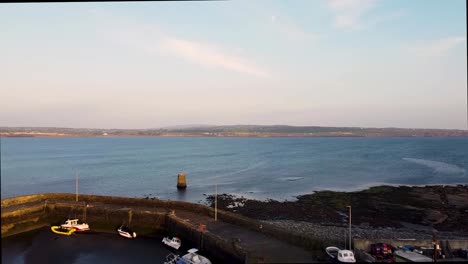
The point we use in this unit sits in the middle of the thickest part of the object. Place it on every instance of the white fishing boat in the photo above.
(74, 224)
(192, 257)
(125, 231)
(340, 255)
(174, 242)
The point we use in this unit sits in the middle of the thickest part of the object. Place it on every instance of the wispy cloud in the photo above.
(210, 55)
(291, 30)
(354, 14)
(156, 41)
(438, 47)
(348, 13)
(386, 17)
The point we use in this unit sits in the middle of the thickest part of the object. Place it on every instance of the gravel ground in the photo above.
(336, 232)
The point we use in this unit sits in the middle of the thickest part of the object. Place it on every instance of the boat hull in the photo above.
(56, 230)
(201, 259)
(78, 228)
(169, 243)
(193, 258)
(332, 253)
(127, 235)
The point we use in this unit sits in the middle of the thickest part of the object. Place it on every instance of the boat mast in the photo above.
(76, 186)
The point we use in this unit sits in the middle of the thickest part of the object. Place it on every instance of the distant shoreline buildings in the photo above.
(232, 131)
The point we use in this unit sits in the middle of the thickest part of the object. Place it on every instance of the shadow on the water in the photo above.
(182, 195)
(43, 246)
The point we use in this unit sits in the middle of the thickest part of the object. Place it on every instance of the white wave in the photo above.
(291, 178)
(438, 166)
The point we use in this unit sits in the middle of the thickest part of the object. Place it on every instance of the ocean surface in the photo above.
(261, 168)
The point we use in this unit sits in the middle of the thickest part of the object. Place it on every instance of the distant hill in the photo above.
(232, 131)
(185, 126)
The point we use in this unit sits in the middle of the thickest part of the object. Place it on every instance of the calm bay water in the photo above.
(277, 168)
(43, 246)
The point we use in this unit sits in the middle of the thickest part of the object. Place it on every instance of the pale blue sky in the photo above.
(368, 63)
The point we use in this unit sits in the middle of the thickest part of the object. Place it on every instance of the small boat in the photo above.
(340, 255)
(125, 231)
(173, 259)
(192, 257)
(174, 242)
(74, 224)
(62, 230)
(410, 256)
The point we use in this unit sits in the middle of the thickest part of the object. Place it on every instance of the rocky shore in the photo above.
(378, 212)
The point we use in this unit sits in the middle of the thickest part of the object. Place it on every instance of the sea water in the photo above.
(261, 168)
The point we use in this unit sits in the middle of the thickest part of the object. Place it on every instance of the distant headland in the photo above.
(231, 131)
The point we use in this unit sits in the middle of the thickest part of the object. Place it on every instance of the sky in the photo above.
(359, 63)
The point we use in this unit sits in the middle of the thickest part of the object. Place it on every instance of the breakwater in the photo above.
(232, 239)
(105, 214)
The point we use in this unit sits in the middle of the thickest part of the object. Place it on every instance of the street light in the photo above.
(216, 198)
(349, 206)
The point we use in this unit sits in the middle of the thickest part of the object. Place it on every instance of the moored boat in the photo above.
(74, 224)
(62, 230)
(192, 257)
(173, 259)
(410, 256)
(174, 242)
(340, 255)
(125, 231)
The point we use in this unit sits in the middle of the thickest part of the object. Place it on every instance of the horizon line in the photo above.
(211, 125)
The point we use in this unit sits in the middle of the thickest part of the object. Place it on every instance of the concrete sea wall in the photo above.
(135, 203)
(106, 213)
(217, 246)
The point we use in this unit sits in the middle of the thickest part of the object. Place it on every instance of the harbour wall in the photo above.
(219, 248)
(45, 203)
(105, 214)
(146, 216)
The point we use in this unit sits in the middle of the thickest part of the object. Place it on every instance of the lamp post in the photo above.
(434, 243)
(350, 247)
(216, 198)
(345, 238)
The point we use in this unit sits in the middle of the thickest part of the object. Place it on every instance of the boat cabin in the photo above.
(71, 222)
(346, 256)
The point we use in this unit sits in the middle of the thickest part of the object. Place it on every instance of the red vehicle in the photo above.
(382, 252)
